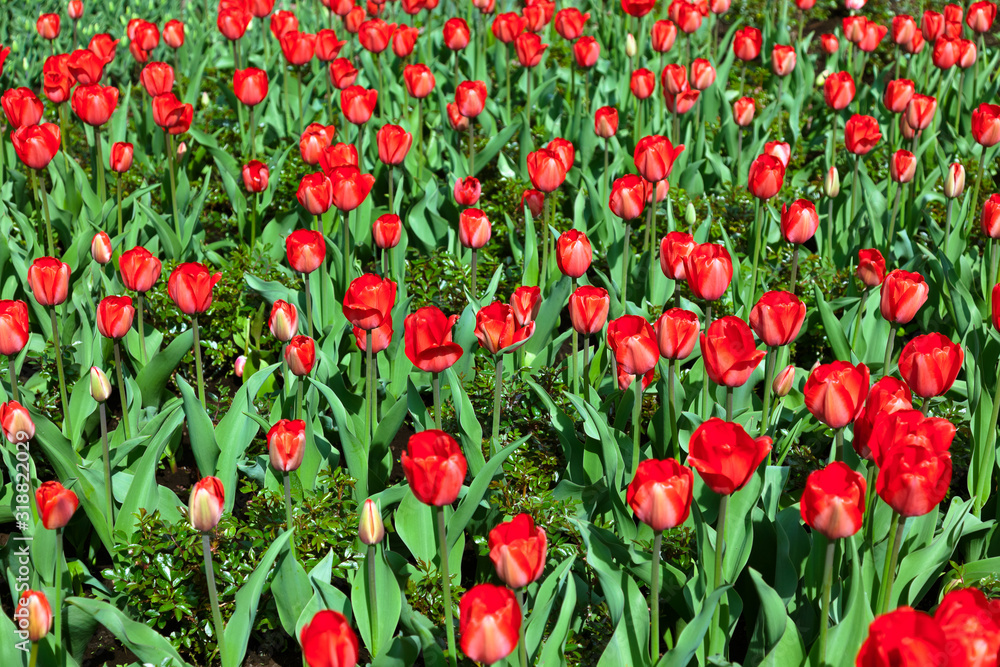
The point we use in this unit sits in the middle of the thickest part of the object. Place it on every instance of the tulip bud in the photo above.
(205, 100)
(100, 386)
(206, 504)
(241, 361)
(821, 78)
(630, 46)
(831, 184)
(34, 615)
(371, 529)
(690, 217)
(783, 382)
(100, 248)
(954, 182)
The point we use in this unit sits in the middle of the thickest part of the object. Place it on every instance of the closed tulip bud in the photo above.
(690, 217)
(674, 249)
(342, 73)
(914, 479)
(725, 456)
(328, 641)
(36, 145)
(387, 230)
(48, 26)
(831, 183)
(930, 363)
(588, 309)
(986, 124)
(833, 501)
(782, 59)
(829, 44)
(56, 505)
(49, 281)
(633, 342)
(529, 49)
(250, 85)
(920, 111)
(743, 111)
(898, 94)
(799, 221)
(286, 444)
(368, 301)
(16, 422)
(283, 321)
(902, 166)
(300, 355)
(654, 158)
(780, 150)
(783, 381)
(428, 340)
(470, 97)
(871, 267)
(458, 122)
(518, 548)
(630, 46)
(708, 269)
(255, 176)
(835, 393)
(13, 326)
(498, 331)
(766, 176)
(173, 34)
(305, 249)
(573, 253)
(747, 43)
(861, 134)
(838, 90)
(474, 229)
(606, 122)
(702, 74)
(358, 104)
(33, 614)
(100, 248)
(676, 333)
(139, 269)
(981, 15)
(100, 386)
(206, 504)
(393, 144)
(114, 316)
(903, 293)
(239, 365)
(627, 197)
(371, 530)
(586, 52)
(121, 157)
(489, 623)
(660, 494)
(954, 182)
(663, 35)
(729, 352)
(990, 218)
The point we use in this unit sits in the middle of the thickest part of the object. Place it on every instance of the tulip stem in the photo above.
(472, 275)
(974, 202)
(250, 125)
(449, 625)
(507, 70)
(472, 147)
(345, 218)
(522, 650)
(831, 548)
(586, 370)
(40, 185)
(497, 395)
(838, 453)
(59, 369)
(298, 82)
(543, 272)
(298, 397)
(420, 130)
(309, 308)
(654, 599)
(829, 228)
(142, 330)
(288, 501)
(720, 546)
(636, 412)
(213, 596)
(33, 659)
(888, 350)
(705, 411)
(795, 268)
(958, 107)
(121, 387)
(57, 585)
(171, 167)
(991, 438)
(770, 362)
(101, 190)
(892, 220)
(12, 373)
(107, 468)
(527, 106)
(253, 222)
(756, 251)
(372, 597)
(729, 404)
(119, 178)
(436, 385)
(889, 573)
(576, 362)
(675, 444)
(739, 155)
(369, 399)
(857, 321)
(625, 251)
(392, 200)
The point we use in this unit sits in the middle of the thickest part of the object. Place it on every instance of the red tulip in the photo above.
(86, 67)
(729, 352)
(946, 52)
(702, 74)
(48, 26)
(642, 83)
(743, 111)
(833, 501)
(930, 363)
(354, 19)
(13, 326)
(381, 337)
(546, 169)
(368, 301)
(633, 342)
(588, 309)
(898, 94)
(470, 97)
(328, 641)
(766, 176)
(986, 124)
(746, 43)
(517, 549)
(428, 339)
(357, 103)
(56, 505)
(990, 218)
(114, 316)
(913, 479)
(48, 278)
(283, 22)
(467, 191)
(104, 47)
(474, 229)
(342, 73)
(297, 47)
(94, 104)
(497, 330)
(871, 267)
(908, 427)
(458, 122)
(674, 250)
(33, 616)
(145, 34)
(637, 8)
(886, 397)
(903, 28)
(456, 34)
(915, 45)
(305, 249)
(920, 111)
(861, 134)
(286, 444)
(350, 187)
(327, 45)
(981, 15)
(835, 393)
(16, 422)
(533, 200)
(22, 107)
(660, 494)
(283, 321)
(903, 293)
(506, 27)
(902, 637)
(387, 230)
(489, 622)
(838, 90)
(172, 115)
(586, 52)
(799, 221)
(676, 333)
(255, 176)
(970, 622)
(873, 35)
(233, 22)
(708, 270)
(157, 78)
(782, 59)
(829, 43)
(573, 253)
(206, 504)
(139, 269)
(434, 467)
(250, 86)
(902, 166)
(570, 23)
(75, 9)
(419, 80)
(780, 150)
(300, 355)
(56, 81)
(393, 144)
(315, 193)
(173, 34)
(655, 156)
(777, 318)
(628, 197)
(338, 155)
(724, 455)
(120, 159)
(374, 35)
(190, 286)
(526, 301)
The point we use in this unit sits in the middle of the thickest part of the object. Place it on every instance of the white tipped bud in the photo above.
(371, 530)
(100, 386)
(630, 47)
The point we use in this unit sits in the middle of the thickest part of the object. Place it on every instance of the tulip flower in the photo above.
(490, 620)
(387, 230)
(427, 335)
(205, 508)
(14, 331)
(17, 425)
(588, 312)
(708, 269)
(929, 364)
(799, 223)
(283, 321)
(21, 107)
(286, 443)
(886, 397)
(371, 529)
(35, 146)
(33, 616)
(300, 355)
(48, 278)
(970, 622)
(190, 287)
(328, 640)
(368, 303)
(729, 353)
(518, 548)
(56, 506)
(114, 316)
(903, 293)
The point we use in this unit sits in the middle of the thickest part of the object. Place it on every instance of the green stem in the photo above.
(888, 350)
(857, 320)
(57, 586)
(497, 395)
(309, 307)
(889, 573)
(142, 330)
(253, 222)
(298, 397)
(288, 501)
(758, 225)
(472, 147)
(654, 600)
(625, 252)
(33, 659)
(544, 270)
(172, 166)
(197, 363)
(372, 596)
(854, 189)
(250, 123)
(420, 131)
(527, 106)
(522, 650)
(636, 412)
(838, 453)
(892, 220)
(12, 373)
(59, 369)
(958, 107)
(107, 468)
(720, 546)
(345, 219)
(121, 388)
(705, 410)
(672, 408)
(449, 625)
(824, 616)
(436, 385)
(371, 412)
(119, 188)
(576, 361)
(770, 362)
(298, 81)
(795, 268)
(974, 202)
(991, 437)
(729, 404)
(213, 596)
(829, 229)
(473, 273)
(101, 189)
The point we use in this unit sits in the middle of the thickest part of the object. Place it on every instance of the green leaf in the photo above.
(389, 602)
(474, 495)
(834, 332)
(152, 379)
(693, 633)
(201, 432)
(146, 643)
